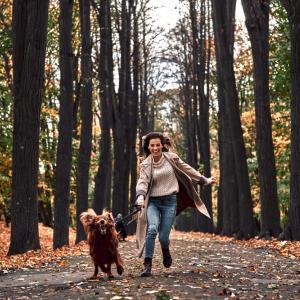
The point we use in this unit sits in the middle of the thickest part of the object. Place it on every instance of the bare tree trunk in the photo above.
(201, 111)
(64, 148)
(121, 129)
(86, 112)
(29, 29)
(228, 210)
(292, 230)
(135, 103)
(189, 97)
(77, 95)
(224, 17)
(257, 21)
(103, 178)
(144, 103)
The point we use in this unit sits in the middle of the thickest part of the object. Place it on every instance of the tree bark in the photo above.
(228, 209)
(189, 99)
(135, 102)
(144, 103)
(257, 21)
(200, 58)
(102, 196)
(77, 96)
(86, 112)
(292, 230)
(123, 117)
(224, 22)
(189, 86)
(29, 28)
(64, 148)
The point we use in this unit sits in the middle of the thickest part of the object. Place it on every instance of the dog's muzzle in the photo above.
(102, 227)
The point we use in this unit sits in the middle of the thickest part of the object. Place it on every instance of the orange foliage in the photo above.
(248, 127)
(5, 177)
(281, 130)
(6, 163)
(51, 112)
(46, 254)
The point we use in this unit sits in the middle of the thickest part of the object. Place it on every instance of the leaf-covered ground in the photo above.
(35, 259)
(205, 266)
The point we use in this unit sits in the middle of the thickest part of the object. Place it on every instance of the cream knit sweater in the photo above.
(164, 179)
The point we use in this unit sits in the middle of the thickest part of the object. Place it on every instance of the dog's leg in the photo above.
(106, 269)
(119, 264)
(95, 272)
(109, 274)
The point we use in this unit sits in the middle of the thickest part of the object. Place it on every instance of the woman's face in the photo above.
(155, 147)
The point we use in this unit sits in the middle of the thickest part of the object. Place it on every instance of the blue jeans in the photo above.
(161, 213)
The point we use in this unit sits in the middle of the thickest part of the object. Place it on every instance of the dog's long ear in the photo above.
(108, 214)
(87, 218)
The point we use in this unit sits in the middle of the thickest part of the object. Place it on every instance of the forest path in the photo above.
(202, 269)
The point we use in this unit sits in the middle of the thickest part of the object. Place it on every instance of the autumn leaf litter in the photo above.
(46, 255)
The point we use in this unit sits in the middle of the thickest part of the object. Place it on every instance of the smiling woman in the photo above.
(155, 148)
(165, 188)
(152, 142)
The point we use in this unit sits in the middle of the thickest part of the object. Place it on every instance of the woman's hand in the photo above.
(140, 201)
(211, 180)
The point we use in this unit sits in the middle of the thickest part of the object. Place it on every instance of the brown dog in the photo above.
(103, 241)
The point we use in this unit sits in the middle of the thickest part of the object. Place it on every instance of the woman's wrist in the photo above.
(140, 200)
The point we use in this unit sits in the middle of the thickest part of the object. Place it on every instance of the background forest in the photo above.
(81, 82)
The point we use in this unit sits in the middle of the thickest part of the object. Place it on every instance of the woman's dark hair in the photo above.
(150, 136)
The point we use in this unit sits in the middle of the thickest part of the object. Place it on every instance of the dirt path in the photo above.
(202, 269)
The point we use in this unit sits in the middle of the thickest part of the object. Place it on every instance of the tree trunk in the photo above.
(200, 58)
(135, 103)
(77, 95)
(190, 117)
(228, 194)
(144, 103)
(103, 177)
(224, 16)
(123, 117)
(29, 29)
(86, 111)
(257, 21)
(64, 148)
(292, 230)
(102, 194)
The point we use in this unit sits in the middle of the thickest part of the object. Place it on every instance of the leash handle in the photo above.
(136, 209)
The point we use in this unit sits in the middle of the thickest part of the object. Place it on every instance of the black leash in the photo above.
(136, 209)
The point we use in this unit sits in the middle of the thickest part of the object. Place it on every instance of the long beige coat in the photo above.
(187, 196)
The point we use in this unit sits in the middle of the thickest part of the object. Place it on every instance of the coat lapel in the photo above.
(141, 227)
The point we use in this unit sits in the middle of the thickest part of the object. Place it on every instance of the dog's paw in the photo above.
(120, 270)
(94, 277)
